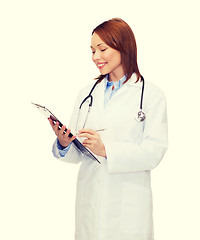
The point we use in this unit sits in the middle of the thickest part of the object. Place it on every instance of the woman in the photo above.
(114, 199)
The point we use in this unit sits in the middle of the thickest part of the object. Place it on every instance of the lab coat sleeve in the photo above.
(146, 155)
(73, 155)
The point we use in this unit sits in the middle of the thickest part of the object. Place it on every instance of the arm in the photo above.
(63, 147)
(63, 150)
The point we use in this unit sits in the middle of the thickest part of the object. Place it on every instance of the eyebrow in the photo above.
(98, 45)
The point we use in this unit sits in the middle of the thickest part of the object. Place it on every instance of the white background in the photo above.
(45, 57)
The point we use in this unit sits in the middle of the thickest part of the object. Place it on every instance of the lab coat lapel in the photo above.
(116, 95)
(99, 102)
(102, 112)
(121, 93)
(131, 82)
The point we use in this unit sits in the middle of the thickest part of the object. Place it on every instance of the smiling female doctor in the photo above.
(114, 198)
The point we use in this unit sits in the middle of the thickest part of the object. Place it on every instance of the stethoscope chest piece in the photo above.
(140, 116)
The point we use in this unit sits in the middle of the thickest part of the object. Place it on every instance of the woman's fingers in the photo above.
(86, 135)
(92, 141)
(51, 122)
(89, 131)
(53, 125)
(61, 130)
(87, 141)
(72, 138)
(62, 135)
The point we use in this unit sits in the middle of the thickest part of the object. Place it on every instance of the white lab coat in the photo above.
(114, 198)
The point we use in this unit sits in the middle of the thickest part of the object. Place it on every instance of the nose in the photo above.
(96, 56)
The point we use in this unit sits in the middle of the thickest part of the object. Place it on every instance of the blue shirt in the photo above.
(108, 88)
(108, 93)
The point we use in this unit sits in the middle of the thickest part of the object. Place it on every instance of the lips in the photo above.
(101, 65)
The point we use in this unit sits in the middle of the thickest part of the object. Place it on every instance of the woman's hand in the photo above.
(63, 138)
(93, 141)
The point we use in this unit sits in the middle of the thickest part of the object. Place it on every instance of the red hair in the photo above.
(117, 34)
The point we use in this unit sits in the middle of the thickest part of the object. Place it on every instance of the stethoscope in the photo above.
(140, 115)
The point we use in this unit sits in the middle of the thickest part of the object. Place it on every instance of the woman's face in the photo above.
(107, 59)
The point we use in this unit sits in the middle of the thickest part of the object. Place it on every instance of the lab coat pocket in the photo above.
(136, 212)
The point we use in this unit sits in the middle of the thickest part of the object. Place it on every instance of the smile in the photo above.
(101, 65)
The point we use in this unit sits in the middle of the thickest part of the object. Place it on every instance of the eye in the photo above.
(93, 50)
(102, 50)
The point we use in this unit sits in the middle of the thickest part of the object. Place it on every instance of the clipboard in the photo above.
(79, 146)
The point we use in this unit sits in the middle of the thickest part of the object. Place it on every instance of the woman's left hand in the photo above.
(93, 141)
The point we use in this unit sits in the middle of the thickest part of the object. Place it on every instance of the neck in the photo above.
(114, 77)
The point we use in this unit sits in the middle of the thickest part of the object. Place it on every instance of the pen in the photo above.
(99, 130)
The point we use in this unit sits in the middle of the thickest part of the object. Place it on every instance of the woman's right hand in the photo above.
(63, 138)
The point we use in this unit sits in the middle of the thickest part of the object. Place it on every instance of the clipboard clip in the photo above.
(38, 105)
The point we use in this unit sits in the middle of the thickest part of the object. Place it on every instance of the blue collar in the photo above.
(116, 84)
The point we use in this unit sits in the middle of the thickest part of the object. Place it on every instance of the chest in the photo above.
(117, 117)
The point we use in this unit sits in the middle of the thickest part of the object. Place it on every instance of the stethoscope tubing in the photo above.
(142, 93)
(89, 96)
(140, 116)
